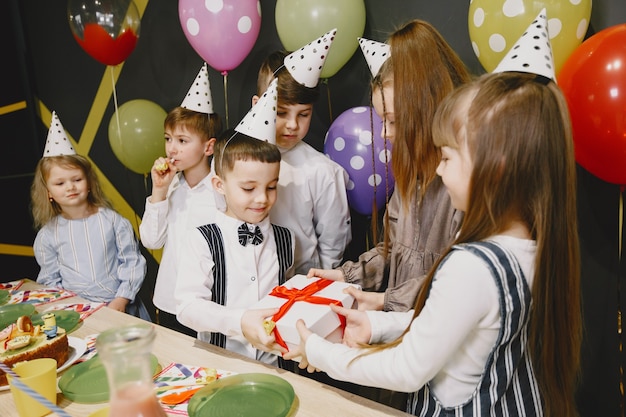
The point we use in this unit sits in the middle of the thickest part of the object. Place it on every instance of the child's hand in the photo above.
(358, 329)
(118, 304)
(332, 274)
(253, 329)
(366, 300)
(300, 350)
(162, 174)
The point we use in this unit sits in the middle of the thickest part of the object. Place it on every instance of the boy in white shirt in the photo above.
(312, 201)
(182, 194)
(230, 264)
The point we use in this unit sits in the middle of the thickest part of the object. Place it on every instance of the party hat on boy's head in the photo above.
(305, 65)
(375, 53)
(260, 122)
(532, 52)
(199, 96)
(57, 142)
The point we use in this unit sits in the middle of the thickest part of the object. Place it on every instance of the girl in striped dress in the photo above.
(496, 330)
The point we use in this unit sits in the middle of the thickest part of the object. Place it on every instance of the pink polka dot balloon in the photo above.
(495, 26)
(222, 32)
(349, 143)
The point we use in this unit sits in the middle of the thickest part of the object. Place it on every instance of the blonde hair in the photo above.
(44, 210)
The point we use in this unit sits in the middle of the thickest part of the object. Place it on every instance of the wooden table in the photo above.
(312, 397)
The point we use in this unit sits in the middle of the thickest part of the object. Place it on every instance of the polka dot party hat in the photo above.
(532, 52)
(260, 122)
(198, 97)
(375, 53)
(57, 142)
(305, 65)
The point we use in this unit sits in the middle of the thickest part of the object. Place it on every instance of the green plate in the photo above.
(4, 296)
(259, 395)
(11, 312)
(87, 382)
(67, 319)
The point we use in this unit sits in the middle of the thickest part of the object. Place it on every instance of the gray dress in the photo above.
(418, 236)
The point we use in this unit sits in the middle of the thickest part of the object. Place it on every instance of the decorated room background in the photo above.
(50, 64)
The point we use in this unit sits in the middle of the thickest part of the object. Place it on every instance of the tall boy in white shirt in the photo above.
(230, 264)
(182, 194)
(312, 200)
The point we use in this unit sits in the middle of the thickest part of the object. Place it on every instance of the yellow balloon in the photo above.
(495, 26)
(299, 22)
(138, 139)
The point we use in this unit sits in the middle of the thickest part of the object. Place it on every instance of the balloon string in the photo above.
(225, 74)
(330, 105)
(117, 113)
(619, 296)
(375, 184)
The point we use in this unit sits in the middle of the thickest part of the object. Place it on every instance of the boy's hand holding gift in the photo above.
(309, 300)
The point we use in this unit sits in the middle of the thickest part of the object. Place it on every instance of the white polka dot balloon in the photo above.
(495, 26)
(222, 32)
(349, 142)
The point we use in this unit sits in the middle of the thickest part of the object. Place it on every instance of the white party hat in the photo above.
(375, 53)
(198, 97)
(260, 122)
(305, 65)
(532, 52)
(57, 142)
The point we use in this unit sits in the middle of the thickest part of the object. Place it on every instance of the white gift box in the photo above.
(319, 318)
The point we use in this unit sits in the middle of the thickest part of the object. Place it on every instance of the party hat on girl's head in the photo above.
(260, 122)
(375, 53)
(57, 142)
(532, 52)
(199, 96)
(305, 65)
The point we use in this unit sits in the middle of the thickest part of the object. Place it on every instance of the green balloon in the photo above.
(299, 22)
(138, 139)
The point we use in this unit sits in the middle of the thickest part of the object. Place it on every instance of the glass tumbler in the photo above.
(125, 353)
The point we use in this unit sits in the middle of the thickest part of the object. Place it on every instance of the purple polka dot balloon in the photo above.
(349, 143)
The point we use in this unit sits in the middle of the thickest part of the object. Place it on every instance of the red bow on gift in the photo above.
(305, 294)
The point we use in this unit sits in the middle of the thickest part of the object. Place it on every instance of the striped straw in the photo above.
(17, 382)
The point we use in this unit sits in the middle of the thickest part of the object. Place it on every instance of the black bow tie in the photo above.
(246, 236)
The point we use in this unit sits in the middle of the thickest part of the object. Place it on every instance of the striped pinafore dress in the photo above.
(508, 386)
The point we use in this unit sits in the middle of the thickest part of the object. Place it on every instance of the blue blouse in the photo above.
(97, 257)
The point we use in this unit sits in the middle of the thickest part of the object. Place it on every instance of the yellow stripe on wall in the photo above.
(10, 108)
(16, 250)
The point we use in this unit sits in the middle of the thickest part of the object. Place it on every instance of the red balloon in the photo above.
(103, 48)
(593, 80)
(106, 29)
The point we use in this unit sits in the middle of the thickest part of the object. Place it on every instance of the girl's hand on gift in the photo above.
(332, 274)
(255, 332)
(366, 300)
(358, 329)
(299, 352)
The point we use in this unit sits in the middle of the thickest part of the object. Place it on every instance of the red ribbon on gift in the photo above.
(306, 294)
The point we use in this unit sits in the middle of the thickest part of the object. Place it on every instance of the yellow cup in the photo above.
(40, 375)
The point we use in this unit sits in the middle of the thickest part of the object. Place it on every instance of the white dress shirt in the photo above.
(313, 203)
(166, 224)
(251, 273)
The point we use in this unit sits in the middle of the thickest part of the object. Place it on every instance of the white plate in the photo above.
(78, 346)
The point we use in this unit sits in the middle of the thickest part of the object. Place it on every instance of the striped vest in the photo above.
(213, 236)
(508, 387)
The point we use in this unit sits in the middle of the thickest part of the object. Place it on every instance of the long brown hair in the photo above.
(43, 209)
(425, 70)
(520, 140)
